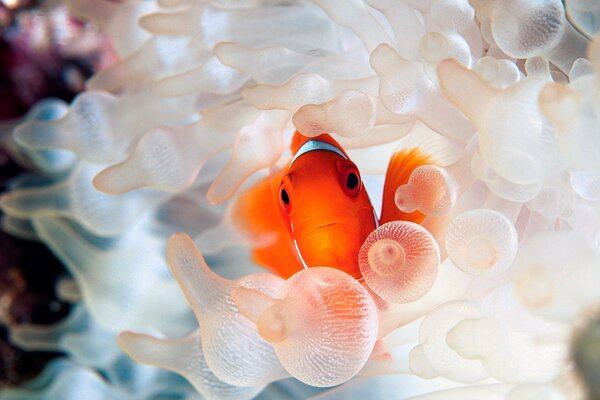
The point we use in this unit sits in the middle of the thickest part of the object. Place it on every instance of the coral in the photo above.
(479, 300)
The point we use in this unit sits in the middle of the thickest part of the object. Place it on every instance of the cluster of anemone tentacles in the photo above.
(481, 300)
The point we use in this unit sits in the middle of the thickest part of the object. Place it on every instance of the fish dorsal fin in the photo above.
(421, 147)
(298, 140)
(257, 213)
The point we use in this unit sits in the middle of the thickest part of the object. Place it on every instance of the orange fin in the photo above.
(400, 167)
(257, 214)
(421, 147)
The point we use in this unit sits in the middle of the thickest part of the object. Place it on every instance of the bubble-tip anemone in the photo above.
(323, 328)
(399, 261)
(481, 242)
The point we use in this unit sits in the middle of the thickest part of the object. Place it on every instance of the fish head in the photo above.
(328, 210)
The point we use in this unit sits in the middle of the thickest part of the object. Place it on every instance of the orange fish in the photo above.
(316, 212)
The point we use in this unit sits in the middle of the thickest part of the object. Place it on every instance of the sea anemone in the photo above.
(479, 300)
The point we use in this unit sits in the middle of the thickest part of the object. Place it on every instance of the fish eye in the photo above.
(284, 199)
(351, 180)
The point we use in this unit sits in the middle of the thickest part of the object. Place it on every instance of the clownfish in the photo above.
(316, 211)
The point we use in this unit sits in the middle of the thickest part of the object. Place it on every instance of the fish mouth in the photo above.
(337, 228)
(327, 225)
(350, 222)
(333, 244)
(333, 238)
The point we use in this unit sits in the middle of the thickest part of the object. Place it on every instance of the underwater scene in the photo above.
(293, 199)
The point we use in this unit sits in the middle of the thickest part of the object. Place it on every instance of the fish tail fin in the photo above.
(257, 214)
(422, 147)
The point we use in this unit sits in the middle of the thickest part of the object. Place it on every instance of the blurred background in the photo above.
(44, 52)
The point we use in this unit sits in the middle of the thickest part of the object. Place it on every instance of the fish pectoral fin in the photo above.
(423, 147)
(256, 213)
(401, 165)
